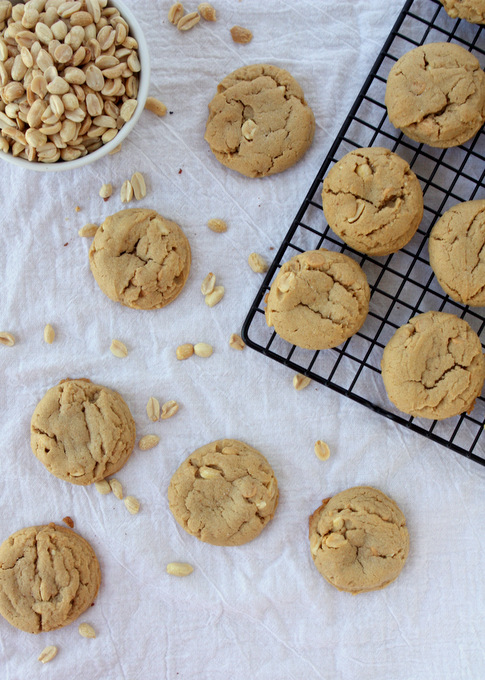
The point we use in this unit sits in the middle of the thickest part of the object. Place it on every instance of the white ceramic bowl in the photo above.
(144, 77)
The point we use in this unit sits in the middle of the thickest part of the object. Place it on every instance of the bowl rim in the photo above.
(144, 83)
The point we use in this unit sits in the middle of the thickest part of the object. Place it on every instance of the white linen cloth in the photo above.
(260, 610)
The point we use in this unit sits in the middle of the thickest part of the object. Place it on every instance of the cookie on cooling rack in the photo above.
(456, 247)
(82, 432)
(140, 259)
(49, 575)
(433, 366)
(359, 540)
(372, 199)
(470, 10)
(436, 94)
(224, 493)
(259, 122)
(318, 300)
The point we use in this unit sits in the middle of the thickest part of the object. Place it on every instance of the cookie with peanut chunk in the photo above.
(318, 300)
(49, 575)
(82, 432)
(435, 94)
(224, 493)
(433, 366)
(259, 122)
(372, 199)
(140, 258)
(359, 540)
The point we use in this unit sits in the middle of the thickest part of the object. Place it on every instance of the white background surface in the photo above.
(260, 610)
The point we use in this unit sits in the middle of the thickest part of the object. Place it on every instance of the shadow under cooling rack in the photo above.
(402, 285)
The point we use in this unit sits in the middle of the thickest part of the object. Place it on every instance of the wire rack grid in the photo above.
(403, 284)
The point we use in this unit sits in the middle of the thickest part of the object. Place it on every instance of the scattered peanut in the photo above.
(132, 504)
(208, 284)
(175, 13)
(139, 186)
(179, 569)
(153, 409)
(149, 441)
(300, 381)
(184, 351)
(155, 106)
(88, 231)
(126, 191)
(322, 450)
(7, 339)
(86, 630)
(188, 21)
(103, 487)
(241, 35)
(202, 349)
(169, 409)
(215, 297)
(49, 334)
(106, 191)
(116, 488)
(236, 342)
(47, 654)
(119, 349)
(207, 11)
(257, 263)
(217, 225)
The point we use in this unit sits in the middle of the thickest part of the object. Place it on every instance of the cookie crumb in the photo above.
(69, 521)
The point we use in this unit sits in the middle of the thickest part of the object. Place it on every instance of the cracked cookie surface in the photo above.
(224, 493)
(433, 366)
(140, 259)
(436, 94)
(457, 252)
(359, 540)
(259, 122)
(373, 201)
(82, 432)
(49, 575)
(470, 10)
(318, 300)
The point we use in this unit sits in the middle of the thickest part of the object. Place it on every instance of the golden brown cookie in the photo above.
(318, 300)
(433, 367)
(49, 575)
(436, 94)
(259, 122)
(457, 252)
(372, 199)
(140, 259)
(470, 10)
(224, 493)
(82, 432)
(359, 540)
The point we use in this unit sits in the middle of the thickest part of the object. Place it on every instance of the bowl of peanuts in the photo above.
(74, 79)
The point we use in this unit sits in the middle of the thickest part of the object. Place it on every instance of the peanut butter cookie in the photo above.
(318, 300)
(436, 94)
(82, 432)
(224, 493)
(457, 252)
(470, 10)
(433, 367)
(49, 575)
(359, 540)
(373, 201)
(259, 122)
(140, 259)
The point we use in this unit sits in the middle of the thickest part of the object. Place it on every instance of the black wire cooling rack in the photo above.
(403, 284)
